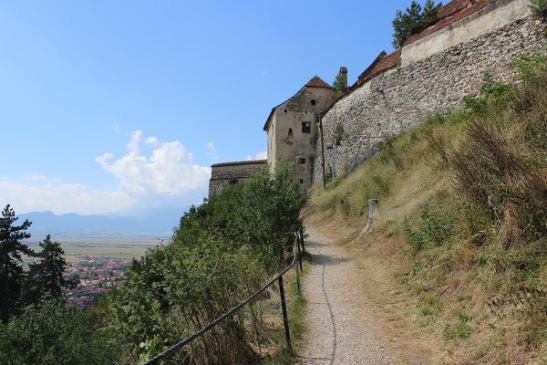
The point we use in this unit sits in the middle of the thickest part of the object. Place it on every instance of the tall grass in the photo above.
(500, 165)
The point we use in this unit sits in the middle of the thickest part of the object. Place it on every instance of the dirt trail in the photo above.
(345, 326)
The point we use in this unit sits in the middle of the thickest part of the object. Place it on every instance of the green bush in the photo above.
(492, 95)
(222, 252)
(413, 21)
(55, 335)
(435, 226)
(539, 6)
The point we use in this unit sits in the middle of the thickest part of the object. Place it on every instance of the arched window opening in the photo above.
(290, 136)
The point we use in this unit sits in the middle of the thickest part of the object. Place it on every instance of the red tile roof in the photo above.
(451, 13)
(453, 7)
(448, 14)
(317, 82)
(381, 64)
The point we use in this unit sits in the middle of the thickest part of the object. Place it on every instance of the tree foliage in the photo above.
(539, 6)
(222, 251)
(55, 335)
(11, 271)
(413, 20)
(45, 278)
(340, 83)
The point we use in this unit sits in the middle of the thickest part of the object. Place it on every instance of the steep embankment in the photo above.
(457, 259)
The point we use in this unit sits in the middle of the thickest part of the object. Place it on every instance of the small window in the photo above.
(313, 102)
(306, 127)
(290, 137)
(233, 182)
(301, 181)
(301, 160)
(285, 110)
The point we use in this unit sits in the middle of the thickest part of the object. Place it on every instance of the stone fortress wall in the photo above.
(433, 74)
(225, 174)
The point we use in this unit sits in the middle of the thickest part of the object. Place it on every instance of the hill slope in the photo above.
(460, 245)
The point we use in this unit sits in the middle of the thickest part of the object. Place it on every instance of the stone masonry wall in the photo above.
(224, 174)
(396, 100)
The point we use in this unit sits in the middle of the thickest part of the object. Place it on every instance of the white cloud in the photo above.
(165, 175)
(134, 143)
(168, 170)
(116, 128)
(212, 151)
(62, 198)
(40, 178)
(262, 155)
(151, 141)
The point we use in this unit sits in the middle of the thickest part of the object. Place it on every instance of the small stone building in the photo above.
(229, 173)
(293, 128)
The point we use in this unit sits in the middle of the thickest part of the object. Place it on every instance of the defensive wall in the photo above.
(431, 73)
(225, 174)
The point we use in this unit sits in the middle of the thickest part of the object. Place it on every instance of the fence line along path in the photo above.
(296, 263)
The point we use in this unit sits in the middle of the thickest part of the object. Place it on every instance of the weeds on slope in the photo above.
(473, 184)
(489, 225)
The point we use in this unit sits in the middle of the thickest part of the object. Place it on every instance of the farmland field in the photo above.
(126, 247)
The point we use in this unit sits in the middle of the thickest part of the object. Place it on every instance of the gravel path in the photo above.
(341, 327)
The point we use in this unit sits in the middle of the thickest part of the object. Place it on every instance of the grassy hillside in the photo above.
(461, 236)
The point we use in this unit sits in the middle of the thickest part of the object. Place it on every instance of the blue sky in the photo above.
(114, 107)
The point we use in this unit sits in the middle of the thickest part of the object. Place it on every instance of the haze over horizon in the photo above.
(120, 109)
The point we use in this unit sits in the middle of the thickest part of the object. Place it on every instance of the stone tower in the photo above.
(293, 129)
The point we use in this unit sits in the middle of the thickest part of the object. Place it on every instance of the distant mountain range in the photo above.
(160, 224)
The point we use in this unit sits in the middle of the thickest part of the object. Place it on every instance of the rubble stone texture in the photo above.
(398, 99)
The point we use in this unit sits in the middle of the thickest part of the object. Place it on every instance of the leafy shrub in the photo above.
(222, 252)
(539, 6)
(492, 95)
(413, 21)
(435, 226)
(390, 153)
(55, 335)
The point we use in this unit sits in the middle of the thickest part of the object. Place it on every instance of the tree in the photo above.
(11, 271)
(53, 334)
(340, 83)
(45, 278)
(429, 14)
(539, 7)
(413, 20)
(222, 251)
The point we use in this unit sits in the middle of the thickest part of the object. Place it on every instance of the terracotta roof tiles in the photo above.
(317, 82)
(451, 13)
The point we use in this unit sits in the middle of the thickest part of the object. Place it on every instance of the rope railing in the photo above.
(296, 262)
